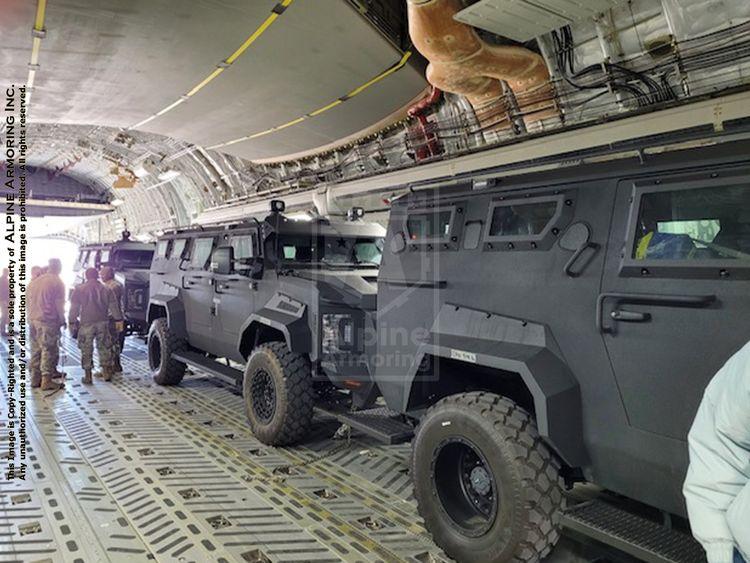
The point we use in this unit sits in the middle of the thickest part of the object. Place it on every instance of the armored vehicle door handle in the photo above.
(630, 316)
(568, 268)
(695, 301)
(437, 284)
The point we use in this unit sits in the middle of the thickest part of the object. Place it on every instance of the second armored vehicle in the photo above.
(131, 261)
(288, 300)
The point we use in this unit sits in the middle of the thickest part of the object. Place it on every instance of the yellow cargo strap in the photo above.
(225, 64)
(358, 90)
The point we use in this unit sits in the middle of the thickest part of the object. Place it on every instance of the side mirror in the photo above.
(222, 260)
(256, 267)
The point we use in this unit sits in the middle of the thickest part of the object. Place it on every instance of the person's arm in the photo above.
(75, 308)
(738, 517)
(113, 305)
(733, 428)
(60, 302)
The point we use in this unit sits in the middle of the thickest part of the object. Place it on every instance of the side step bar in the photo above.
(632, 534)
(379, 423)
(201, 362)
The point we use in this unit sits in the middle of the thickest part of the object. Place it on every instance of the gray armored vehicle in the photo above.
(288, 300)
(558, 327)
(131, 261)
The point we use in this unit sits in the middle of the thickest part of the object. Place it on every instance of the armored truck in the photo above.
(557, 327)
(131, 261)
(289, 301)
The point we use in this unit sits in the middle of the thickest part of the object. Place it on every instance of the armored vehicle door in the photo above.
(234, 296)
(676, 291)
(197, 293)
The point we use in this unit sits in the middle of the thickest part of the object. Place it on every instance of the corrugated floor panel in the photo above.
(130, 471)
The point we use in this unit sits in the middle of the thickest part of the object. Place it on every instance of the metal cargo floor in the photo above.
(130, 471)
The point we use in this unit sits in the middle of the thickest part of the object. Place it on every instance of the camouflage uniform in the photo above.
(45, 351)
(46, 306)
(90, 333)
(117, 337)
(91, 306)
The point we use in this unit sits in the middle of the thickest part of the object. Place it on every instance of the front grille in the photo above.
(135, 300)
(337, 334)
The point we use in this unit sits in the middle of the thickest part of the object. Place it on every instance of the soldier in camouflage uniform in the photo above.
(45, 299)
(117, 334)
(91, 306)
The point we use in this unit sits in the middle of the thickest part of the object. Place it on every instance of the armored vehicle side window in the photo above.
(368, 252)
(521, 219)
(178, 248)
(161, 248)
(429, 225)
(711, 223)
(201, 252)
(243, 246)
(243, 249)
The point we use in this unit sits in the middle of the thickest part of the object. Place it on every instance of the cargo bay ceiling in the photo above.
(170, 112)
(168, 76)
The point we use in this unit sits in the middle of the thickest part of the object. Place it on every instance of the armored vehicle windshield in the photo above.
(334, 251)
(325, 243)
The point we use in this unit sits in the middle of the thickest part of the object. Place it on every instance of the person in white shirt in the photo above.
(717, 486)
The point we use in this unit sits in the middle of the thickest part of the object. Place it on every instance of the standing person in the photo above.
(4, 302)
(46, 307)
(717, 487)
(36, 271)
(117, 330)
(91, 306)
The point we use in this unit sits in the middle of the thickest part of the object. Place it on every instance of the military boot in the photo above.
(87, 379)
(118, 365)
(107, 374)
(36, 380)
(49, 384)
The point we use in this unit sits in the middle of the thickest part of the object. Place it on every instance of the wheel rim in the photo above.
(264, 396)
(154, 352)
(465, 486)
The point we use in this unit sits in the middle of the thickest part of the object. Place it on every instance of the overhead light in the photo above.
(117, 202)
(302, 216)
(168, 175)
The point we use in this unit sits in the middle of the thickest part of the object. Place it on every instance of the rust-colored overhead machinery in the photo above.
(461, 62)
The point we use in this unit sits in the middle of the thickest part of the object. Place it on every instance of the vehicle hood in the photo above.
(136, 277)
(353, 289)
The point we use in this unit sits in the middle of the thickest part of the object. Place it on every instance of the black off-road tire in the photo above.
(281, 416)
(162, 343)
(525, 523)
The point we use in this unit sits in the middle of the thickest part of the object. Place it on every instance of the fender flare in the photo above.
(525, 348)
(175, 312)
(286, 315)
